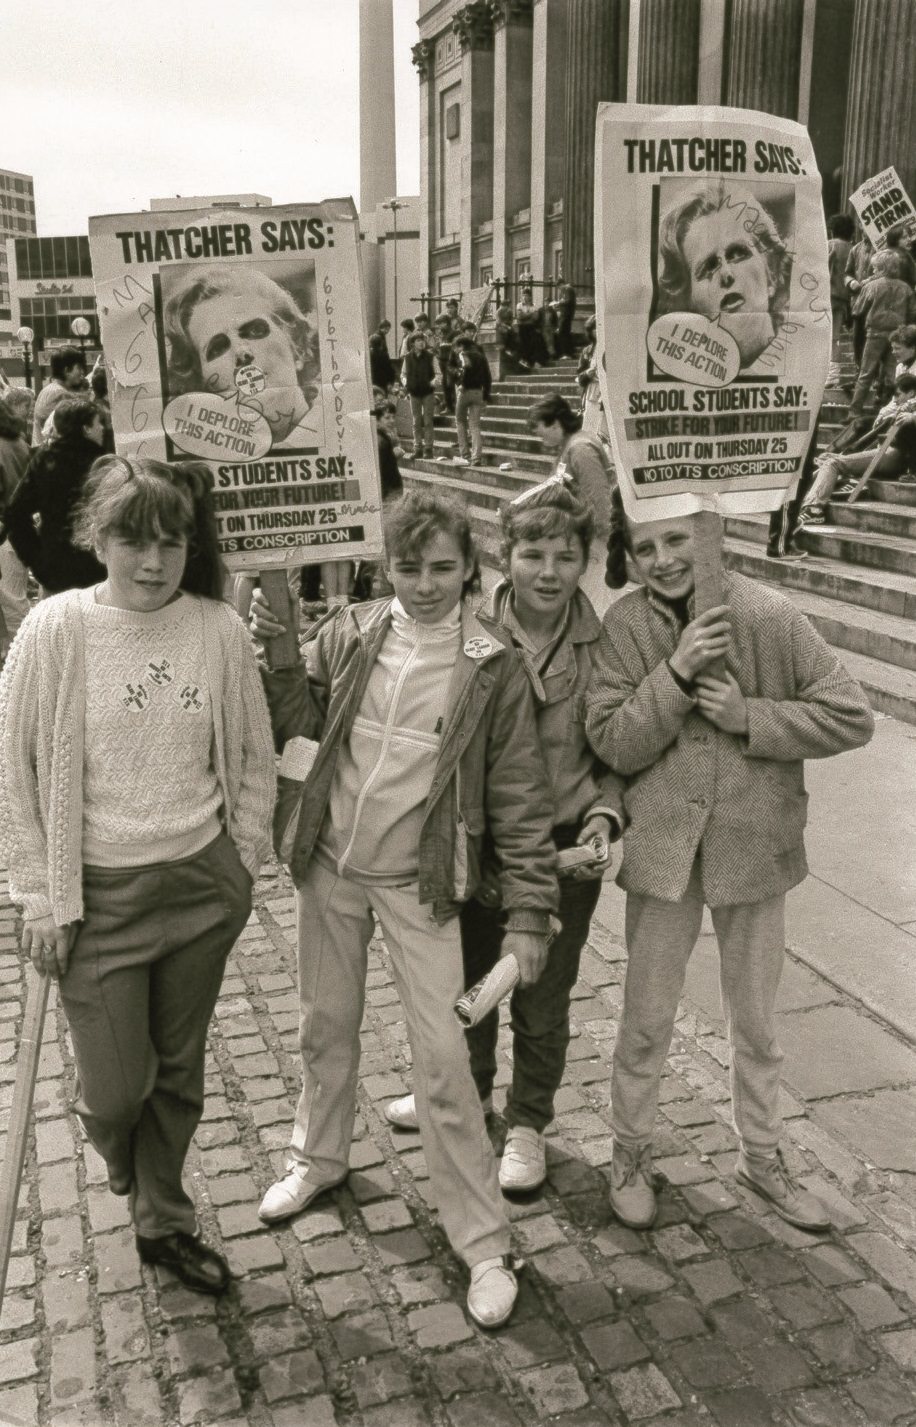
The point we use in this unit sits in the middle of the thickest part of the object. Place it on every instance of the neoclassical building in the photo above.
(509, 90)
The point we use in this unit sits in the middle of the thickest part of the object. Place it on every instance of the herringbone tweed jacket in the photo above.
(739, 801)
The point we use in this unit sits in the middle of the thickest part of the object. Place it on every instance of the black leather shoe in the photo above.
(199, 1267)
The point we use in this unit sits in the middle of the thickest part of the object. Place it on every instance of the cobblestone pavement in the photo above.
(354, 1313)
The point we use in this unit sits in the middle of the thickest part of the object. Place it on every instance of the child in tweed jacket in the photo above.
(716, 807)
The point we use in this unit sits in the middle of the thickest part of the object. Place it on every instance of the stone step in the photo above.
(888, 637)
(894, 492)
(890, 690)
(864, 516)
(860, 547)
(872, 589)
(542, 465)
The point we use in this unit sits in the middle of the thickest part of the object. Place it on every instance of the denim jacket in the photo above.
(489, 774)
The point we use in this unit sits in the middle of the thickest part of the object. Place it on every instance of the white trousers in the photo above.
(660, 937)
(335, 927)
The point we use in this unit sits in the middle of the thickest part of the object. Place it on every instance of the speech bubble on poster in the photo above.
(212, 428)
(693, 349)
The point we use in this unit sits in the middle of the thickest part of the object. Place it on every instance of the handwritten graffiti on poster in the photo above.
(713, 305)
(242, 368)
(239, 339)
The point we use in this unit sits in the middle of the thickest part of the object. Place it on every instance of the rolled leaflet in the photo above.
(480, 1000)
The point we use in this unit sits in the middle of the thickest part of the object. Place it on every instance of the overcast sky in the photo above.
(109, 103)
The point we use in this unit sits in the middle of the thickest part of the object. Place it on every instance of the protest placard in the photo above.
(883, 203)
(713, 304)
(237, 337)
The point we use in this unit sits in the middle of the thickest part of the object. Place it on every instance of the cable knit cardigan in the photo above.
(42, 725)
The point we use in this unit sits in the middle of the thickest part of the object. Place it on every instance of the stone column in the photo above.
(669, 47)
(548, 118)
(423, 57)
(595, 71)
(764, 56)
(881, 109)
(473, 24)
(512, 41)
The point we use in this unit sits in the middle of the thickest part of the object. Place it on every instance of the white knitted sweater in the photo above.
(42, 730)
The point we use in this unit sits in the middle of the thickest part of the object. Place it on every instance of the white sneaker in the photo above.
(493, 1291)
(291, 1194)
(460, 461)
(523, 1165)
(403, 1113)
(505, 465)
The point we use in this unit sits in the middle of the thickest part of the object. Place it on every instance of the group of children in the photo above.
(462, 751)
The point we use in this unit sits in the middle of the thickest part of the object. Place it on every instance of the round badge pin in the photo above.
(250, 380)
(478, 648)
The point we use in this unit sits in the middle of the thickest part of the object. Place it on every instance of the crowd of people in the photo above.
(469, 771)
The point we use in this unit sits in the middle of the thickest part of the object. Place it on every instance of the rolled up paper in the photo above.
(481, 999)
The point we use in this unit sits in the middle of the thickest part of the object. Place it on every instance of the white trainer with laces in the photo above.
(493, 1291)
(291, 1194)
(403, 1113)
(524, 1162)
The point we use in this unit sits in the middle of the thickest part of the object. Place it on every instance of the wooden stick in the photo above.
(708, 573)
(20, 1112)
(866, 476)
(283, 651)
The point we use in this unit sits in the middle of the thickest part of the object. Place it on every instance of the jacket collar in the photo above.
(373, 619)
(584, 626)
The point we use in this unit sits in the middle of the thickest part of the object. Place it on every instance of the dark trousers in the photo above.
(139, 991)
(539, 1014)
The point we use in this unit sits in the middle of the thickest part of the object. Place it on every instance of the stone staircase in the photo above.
(857, 586)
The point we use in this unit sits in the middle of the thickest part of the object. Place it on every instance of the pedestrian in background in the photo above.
(14, 577)
(473, 381)
(51, 490)
(136, 787)
(68, 379)
(418, 375)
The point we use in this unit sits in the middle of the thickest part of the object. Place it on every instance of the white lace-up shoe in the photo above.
(524, 1164)
(291, 1194)
(493, 1291)
(403, 1113)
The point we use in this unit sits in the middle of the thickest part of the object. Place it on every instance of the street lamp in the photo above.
(26, 336)
(394, 204)
(81, 327)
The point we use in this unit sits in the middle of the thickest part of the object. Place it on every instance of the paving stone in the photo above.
(65, 1297)
(709, 1198)
(804, 1306)
(386, 1214)
(249, 1255)
(832, 1266)
(177, 1302)
(678, 1243)
(331, 1256)
(639, 1274)
(743, 1407)
(562, 1265)
(370, 1184)
(136, 1397)
(675, 1317)
(294, 1375)
(898, 1268)
(538, 1233)
(381, 1379)
(821, 1407)
(683, 1169)
(872, 1305)
(585, 1302)
(843, 1213)
(424, 1283)
(840, 1348)
(57, 1188)
(343, 1293)
(884, 1396)
(712, 1281)
(53, 1141)
(462, 1370)
(19, 1360)
(881, 1126)
(275, 1333)
(402, 1413)
(902, 1347)
(232, 1189)
(72, 1368)
(124, 1327)
(770, 1266)
(363, 1335)
(531, 1341)
(554, 1389)
(835, 1049)
(237, 1219)
(214, 1397)
(195, 1348)
(401, 1247)
(318, 1223)
(643, 1392)
(18, 1312)
(614, 1345)
(118, 1266)
(777, 1366)
(260, 1295)
(439, 1325)
(707, 1362)
(106, 1211)
(737, 1231)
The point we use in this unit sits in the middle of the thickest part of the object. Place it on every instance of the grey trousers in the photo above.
(139, 990)
(660, 937)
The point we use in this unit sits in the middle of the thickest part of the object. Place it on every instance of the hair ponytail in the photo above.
(615, 572)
